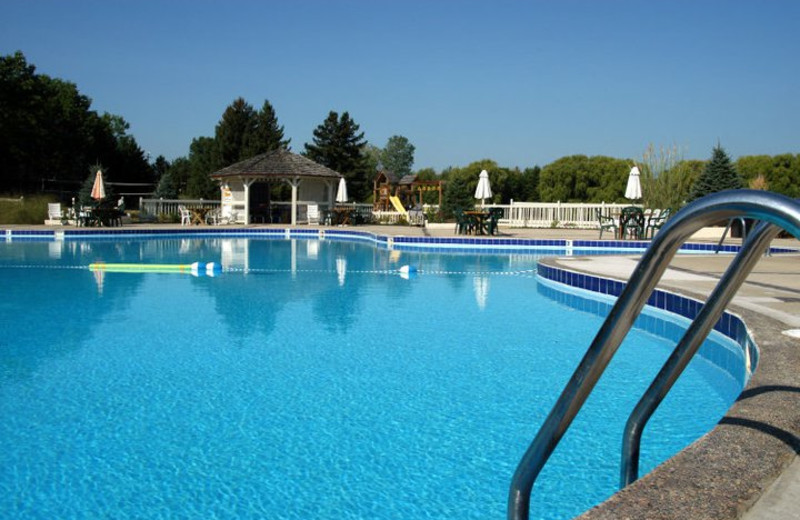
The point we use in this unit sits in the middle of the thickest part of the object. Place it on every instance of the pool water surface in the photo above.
(309, 379)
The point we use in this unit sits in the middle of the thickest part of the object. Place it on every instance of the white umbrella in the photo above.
(341, 193)
(634, 189)
(98, 189)
(484, 190)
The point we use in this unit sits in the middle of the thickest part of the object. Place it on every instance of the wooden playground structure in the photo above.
(408, 192)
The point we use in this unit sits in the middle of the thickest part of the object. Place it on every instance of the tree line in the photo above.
(50, 136)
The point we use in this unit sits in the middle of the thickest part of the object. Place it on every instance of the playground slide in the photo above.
(398, 205)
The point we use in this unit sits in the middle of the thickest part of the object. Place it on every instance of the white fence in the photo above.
(517, 214)
(556, 214)
(156, 207)
(279, 211)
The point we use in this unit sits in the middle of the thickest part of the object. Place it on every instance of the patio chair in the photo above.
(494, 217)
(632, 222)
(465, 225)
(186, 215)
(655, 222)
(214, 217)
(606, 224)
(313, 214)
(416, 217)
(54, 211)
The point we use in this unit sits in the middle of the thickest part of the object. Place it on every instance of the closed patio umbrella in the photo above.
(341, 193)
(634, 189)
(98, 189)
(483, 190)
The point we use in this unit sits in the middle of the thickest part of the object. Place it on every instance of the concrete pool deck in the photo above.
(748, 466)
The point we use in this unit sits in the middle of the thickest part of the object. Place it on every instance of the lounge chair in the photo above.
(54, 212)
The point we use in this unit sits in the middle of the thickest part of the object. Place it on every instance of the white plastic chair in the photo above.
(54, 211)
(313, 214)
(186, 215)
(213, 217)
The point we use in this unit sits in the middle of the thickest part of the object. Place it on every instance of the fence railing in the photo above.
(556, 214)
(279, 211)
(157, 207)
(516, 214)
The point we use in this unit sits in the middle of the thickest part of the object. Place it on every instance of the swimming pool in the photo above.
(310, 379)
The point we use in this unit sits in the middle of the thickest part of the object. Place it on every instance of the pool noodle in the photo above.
(154, 268)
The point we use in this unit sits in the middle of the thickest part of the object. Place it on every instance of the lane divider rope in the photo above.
(181, 267)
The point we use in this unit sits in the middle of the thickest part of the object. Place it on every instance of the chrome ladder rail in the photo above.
(771, 208)
(683, 353)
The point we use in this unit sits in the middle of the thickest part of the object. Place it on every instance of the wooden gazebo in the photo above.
(318, 181)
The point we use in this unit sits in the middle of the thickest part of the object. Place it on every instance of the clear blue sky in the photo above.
(520, 82)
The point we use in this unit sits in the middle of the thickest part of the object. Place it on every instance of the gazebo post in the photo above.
(247, 183)
(294, 182)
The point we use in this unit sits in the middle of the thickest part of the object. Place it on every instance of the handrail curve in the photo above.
(723, 293)
(776, 209)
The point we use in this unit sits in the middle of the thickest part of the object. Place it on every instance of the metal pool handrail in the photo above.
(759, 205)
(723, 293)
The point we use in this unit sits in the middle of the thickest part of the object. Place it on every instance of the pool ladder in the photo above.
(774, 211)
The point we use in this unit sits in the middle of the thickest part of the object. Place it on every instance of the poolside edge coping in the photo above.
(723, 473)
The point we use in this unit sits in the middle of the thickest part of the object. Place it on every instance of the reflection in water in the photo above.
(341, 269)
(99, 277)
(312, 249)
(481, 287)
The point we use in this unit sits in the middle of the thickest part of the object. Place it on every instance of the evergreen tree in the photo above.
(233, 134)
(202, 162)
(266, 134)
(338, 145)
(718, 175)
(48, 131)
(167, 187)
(398, 156)
(458, 195)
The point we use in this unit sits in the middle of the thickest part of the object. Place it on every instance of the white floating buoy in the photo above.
(213, 269)
(407, 272)
(197, 270)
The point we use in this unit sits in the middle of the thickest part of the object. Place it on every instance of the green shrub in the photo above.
(32, 209)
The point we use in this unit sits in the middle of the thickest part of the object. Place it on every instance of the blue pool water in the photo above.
(309, 380)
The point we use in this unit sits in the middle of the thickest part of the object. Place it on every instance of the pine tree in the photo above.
(167, 187)
(718, 175)
(233, 133)
(398, 155)
(338, 145)
(267, 134)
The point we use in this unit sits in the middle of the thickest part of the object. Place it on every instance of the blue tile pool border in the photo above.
(729, 324)
(489, 244)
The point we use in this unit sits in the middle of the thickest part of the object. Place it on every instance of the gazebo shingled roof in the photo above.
(276, 164)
